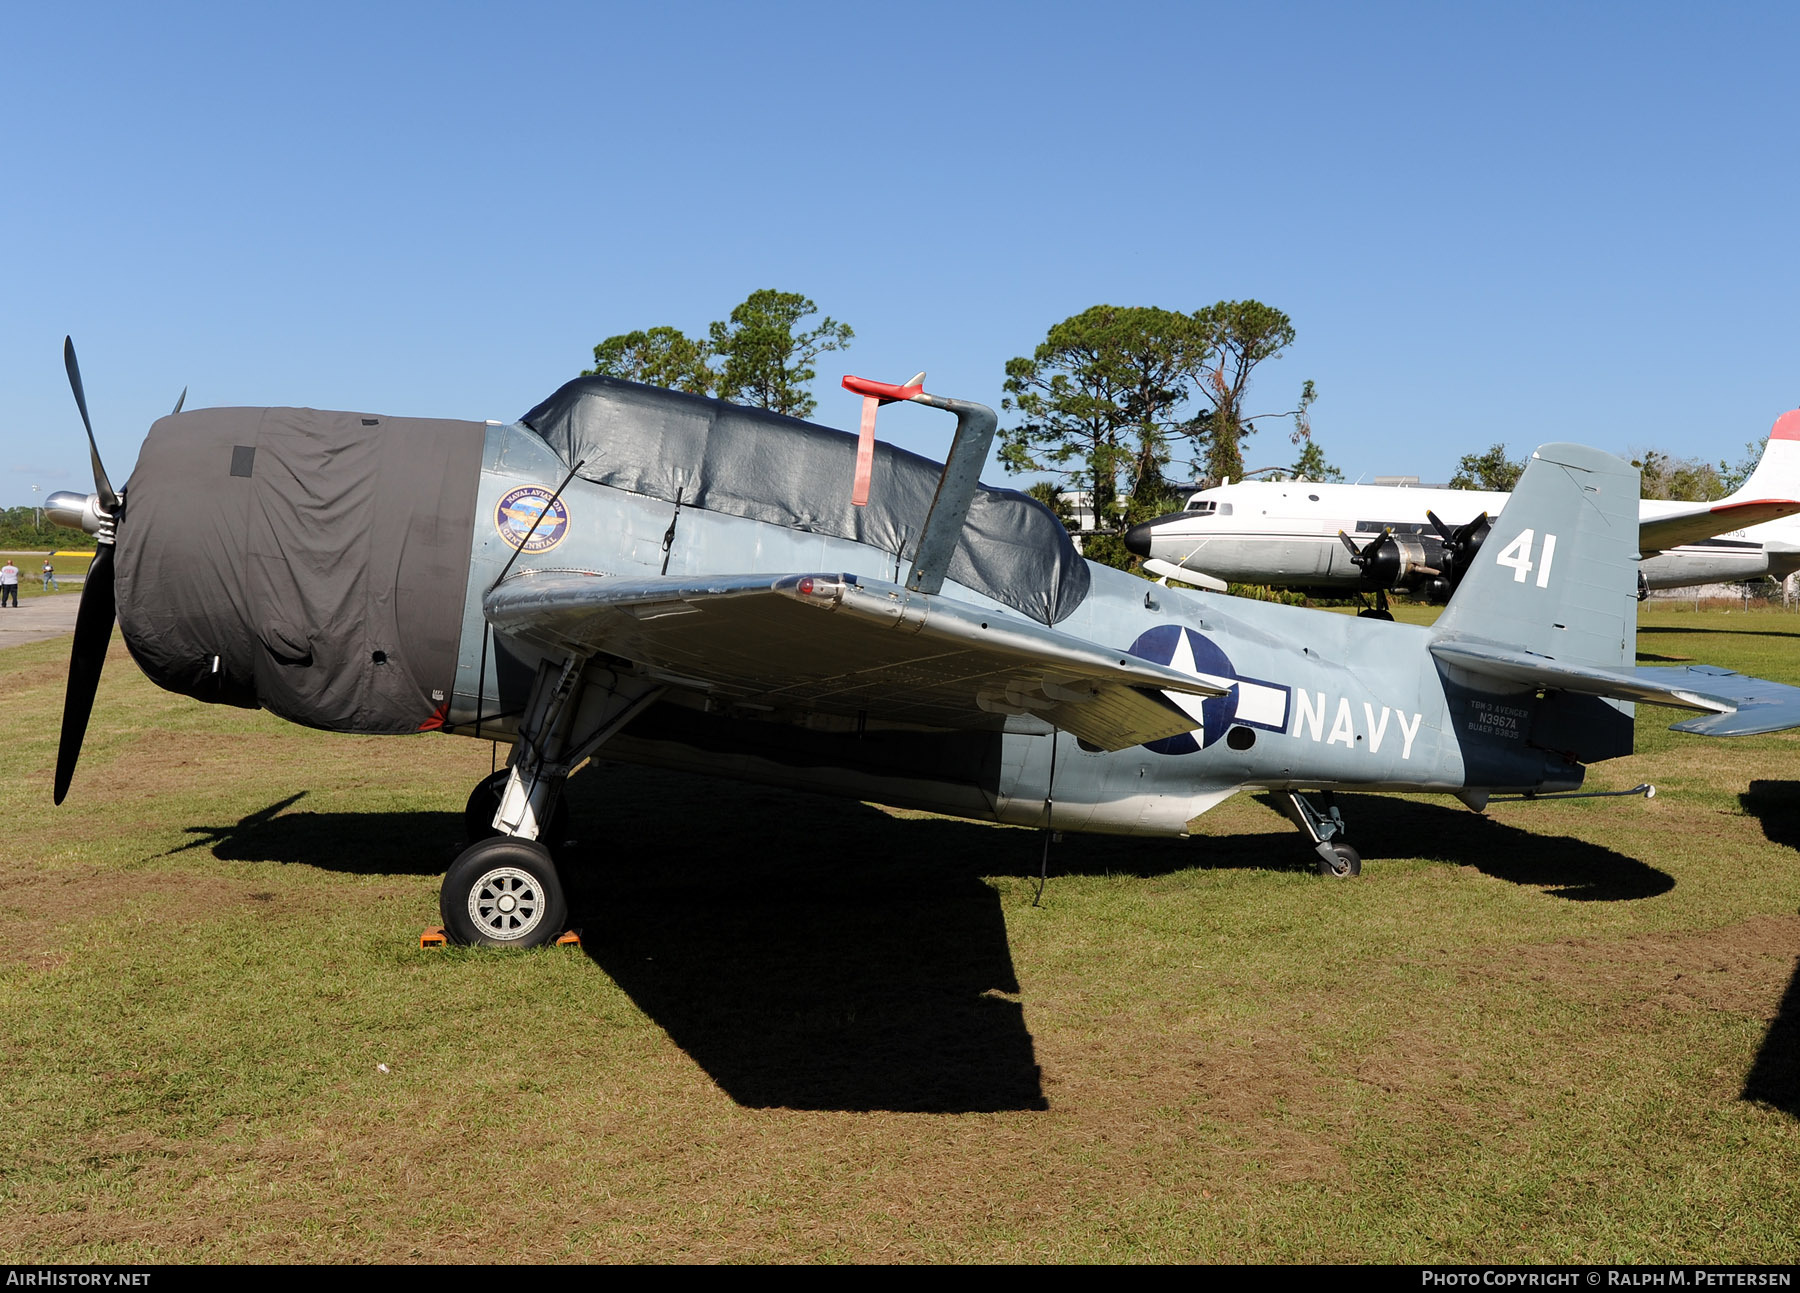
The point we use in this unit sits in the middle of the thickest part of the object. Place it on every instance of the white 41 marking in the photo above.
(1517, 554)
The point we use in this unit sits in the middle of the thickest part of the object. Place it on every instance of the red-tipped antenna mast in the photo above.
(975, 426)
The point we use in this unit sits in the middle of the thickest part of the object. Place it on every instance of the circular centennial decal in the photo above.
(525, 507)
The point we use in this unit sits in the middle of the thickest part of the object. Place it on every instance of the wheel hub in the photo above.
(506, 903)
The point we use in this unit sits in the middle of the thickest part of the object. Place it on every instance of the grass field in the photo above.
(802, 1029)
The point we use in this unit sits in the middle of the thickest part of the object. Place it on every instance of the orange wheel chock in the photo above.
(434, 937)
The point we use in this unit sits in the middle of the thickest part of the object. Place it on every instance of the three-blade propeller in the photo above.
(95, 616)
(1389, 560)
(1360, 557)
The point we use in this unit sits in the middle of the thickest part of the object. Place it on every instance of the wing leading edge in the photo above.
(1660, 533)
(832, 644)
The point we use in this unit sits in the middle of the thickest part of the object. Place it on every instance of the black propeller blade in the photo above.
(1462, 543)
(1460, 546)
(109, 499)
(93, 633)
(179, 402)
(94, 616)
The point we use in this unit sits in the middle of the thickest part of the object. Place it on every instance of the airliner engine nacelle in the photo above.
(1392, 561)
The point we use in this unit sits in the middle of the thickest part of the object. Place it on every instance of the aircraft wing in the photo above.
(1658, 534)
(833, 644)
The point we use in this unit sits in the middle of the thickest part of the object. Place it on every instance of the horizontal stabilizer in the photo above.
(865, 650)
(1762, 706)
(1651, 686)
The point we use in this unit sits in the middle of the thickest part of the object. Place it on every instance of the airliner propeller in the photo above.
(1390, 560)
(1460, 546)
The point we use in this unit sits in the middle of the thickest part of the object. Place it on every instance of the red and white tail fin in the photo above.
(874, 394)
(1777, 474)
(1772, 492)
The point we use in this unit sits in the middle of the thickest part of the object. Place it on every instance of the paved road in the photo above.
(38, 618)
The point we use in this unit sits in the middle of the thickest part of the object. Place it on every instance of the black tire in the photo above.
(503, 892)
(484, 802)
(1349, 863)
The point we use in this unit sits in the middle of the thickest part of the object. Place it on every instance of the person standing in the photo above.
(50, 584)
(9, 584)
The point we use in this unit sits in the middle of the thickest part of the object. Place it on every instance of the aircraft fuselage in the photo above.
(1318, 701)
(1286, 535)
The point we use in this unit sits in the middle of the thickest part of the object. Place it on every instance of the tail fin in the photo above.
(1777, 473)
(1557, 574)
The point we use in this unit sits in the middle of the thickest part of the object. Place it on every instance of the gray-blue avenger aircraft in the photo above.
(686, 583)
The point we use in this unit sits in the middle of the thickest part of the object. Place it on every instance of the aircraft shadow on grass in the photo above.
(411, 843)
(1774, 1077)
(807, 953)
(814, 953)
(1666, 630)
(1563, 866)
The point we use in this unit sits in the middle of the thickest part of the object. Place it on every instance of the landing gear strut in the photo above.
(1326, 831)
(484, 802)
(1379, 611)
(503, 890)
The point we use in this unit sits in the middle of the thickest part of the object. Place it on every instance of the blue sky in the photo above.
(1517, 223)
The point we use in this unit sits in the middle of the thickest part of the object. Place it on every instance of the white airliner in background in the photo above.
(1297, 534)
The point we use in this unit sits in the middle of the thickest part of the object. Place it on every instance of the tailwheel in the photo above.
(1343, 863)
(503, 892)
(1324, 828)
(484, 802)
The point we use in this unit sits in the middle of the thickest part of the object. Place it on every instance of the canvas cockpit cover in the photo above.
(767, 467)
(312, 563)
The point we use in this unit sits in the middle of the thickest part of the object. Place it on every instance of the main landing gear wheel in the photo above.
(1348, 863)
(503, 892)
(484, 802)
